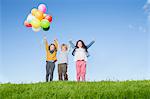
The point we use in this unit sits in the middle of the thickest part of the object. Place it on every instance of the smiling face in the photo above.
(63, 48)
(80, 45)
(52, 47)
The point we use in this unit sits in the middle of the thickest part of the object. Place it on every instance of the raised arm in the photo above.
(71, 44)
(46, 43)
(89, 45)
(56, 44)
(69, 48)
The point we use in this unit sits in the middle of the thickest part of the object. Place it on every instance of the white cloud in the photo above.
(147, 6)
(142, 29)
(148, 17)
(130, 26)
(137, 28)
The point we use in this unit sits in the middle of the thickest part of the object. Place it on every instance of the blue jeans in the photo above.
(50, 66)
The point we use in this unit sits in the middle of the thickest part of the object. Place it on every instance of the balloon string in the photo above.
(40, 44)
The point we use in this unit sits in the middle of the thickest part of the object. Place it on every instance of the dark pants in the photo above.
(50, 66)
(62, 71)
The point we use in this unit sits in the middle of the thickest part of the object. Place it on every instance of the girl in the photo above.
(80, 54)
(63, 62)
(51, 51)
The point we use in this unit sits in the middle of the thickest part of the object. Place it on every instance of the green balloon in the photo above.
(46, 29)
(45, 23)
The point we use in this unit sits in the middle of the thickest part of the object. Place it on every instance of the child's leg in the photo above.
(78, 70)
(52, 67)
(64, 71)
(60, 71)
(66, 76)
(47, 71)
(83, 70)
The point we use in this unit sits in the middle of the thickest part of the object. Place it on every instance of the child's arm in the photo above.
(71, 44)
(89, 45)
(46, 43)
(69, 48)
(56, 44)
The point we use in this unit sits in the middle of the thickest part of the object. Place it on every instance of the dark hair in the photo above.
(83, 46)
(51, 45)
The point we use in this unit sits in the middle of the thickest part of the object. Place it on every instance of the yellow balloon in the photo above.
(36, 29)
(44, 15)
(33, 11)
(39, 15)
(35, 23)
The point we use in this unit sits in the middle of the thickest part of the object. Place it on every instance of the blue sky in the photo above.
(119, 27)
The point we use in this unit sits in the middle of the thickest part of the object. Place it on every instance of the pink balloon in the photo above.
(42, 7)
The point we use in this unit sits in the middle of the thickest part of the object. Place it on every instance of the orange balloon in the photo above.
(39, 15)
(33, 11)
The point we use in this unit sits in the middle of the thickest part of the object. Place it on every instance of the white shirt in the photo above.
(63, 57)
(80, 54)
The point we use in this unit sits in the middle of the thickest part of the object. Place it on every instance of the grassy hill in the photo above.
(77, 90)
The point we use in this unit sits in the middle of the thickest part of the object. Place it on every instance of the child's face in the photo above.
(80, 44)
(63, 48)
(52, 47)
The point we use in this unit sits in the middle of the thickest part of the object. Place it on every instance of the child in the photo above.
(51, 51)
(63, 62)
(80, 54)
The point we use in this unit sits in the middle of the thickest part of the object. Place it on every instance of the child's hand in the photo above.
(70, 39)
(93, 39)
(55, 39)
(45, 38)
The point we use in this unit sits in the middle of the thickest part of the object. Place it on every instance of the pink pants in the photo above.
(81, 70)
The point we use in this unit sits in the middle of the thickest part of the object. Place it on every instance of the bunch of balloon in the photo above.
(38, 19)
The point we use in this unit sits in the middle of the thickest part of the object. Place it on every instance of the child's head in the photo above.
(64, 47)
(52, 47)
(80, 44)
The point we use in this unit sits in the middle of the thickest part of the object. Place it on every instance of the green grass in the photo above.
(77, 90)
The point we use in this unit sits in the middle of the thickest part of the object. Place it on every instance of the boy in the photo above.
(63, 62)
